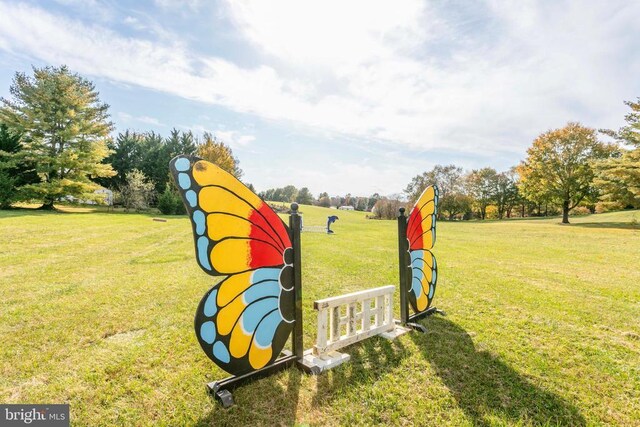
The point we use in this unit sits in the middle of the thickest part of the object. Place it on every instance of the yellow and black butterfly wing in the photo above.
(244, 321)
(421, 235)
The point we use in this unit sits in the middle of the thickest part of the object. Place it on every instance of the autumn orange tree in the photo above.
(559, 166)
(219, 153)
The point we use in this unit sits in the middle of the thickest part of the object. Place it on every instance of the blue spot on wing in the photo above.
(182, 164)
(220, 352)
(267, 329)
(256, 311)
(208, 332)
(418, 253)
(203, 256)
(416, 284)
(210, 306)
(199, 220)
(192, 198)
(265, 274)
(265, 289)
(184, 181)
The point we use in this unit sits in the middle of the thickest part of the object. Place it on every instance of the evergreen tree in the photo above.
(289, 193)
(15, 170)
(373, 199)
(65, 130)
(187, 144)
(304, 196)
(127, 152)
(618, 178)
(156, 154)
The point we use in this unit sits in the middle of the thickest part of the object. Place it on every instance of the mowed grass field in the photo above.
(542, 325)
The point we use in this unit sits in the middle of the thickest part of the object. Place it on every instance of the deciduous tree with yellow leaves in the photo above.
(559, 166)
(219, 153)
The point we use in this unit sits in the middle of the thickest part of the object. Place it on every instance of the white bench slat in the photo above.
(357, 323)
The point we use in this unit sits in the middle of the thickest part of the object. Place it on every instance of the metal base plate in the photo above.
(222, 389)
(416, 327)
(225, 398)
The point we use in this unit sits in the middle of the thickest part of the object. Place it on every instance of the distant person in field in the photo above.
(330, 220)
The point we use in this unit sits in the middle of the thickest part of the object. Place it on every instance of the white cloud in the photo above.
(401, 72)
(413, 74)
(330, 33)
(234, 138)
(133, 22)
(179, 5)
(128, 118)
(335, 177)
(99, 10)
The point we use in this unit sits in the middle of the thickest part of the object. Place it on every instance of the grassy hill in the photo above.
(542, 326)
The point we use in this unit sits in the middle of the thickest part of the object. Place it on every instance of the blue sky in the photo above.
(342, 96)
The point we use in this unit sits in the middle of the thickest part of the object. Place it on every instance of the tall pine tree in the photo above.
(65, 129)
(15, 171)
(618, 178)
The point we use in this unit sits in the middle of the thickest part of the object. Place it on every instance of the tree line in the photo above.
(565, 169)
(290, 193)
(55, 144)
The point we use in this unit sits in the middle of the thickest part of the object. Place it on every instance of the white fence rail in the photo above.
(350, 318)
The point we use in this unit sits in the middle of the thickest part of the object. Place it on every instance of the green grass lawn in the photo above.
(543, 324)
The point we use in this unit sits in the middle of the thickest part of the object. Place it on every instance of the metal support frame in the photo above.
(403, 264)
(294, 231)
(222, 389)
(295, 227)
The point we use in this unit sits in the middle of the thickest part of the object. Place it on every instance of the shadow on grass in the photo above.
(488, 390)
(620, 225)
(58, 210)
(266, 400)
(259, 403)
(370, 359)
(20, 212)
(14, 212)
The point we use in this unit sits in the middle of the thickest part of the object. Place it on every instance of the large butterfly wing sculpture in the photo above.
(421, 234)
(244, 321)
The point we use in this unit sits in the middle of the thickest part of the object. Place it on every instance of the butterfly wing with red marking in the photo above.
(421, 235)
(244, 321)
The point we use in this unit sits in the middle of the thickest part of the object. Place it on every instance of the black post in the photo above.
(294, 229)
(403, 263)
